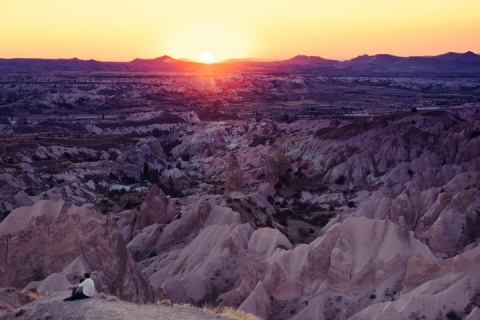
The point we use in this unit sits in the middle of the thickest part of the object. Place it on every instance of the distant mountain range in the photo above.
(449, 63)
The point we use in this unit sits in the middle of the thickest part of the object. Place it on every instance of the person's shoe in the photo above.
(67, 299)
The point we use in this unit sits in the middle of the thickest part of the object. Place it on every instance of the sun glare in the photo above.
(207, 57)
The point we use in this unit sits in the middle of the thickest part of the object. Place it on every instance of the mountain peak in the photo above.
(302, 57)
(163, 59)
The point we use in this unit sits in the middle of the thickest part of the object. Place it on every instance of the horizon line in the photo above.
(252, 59)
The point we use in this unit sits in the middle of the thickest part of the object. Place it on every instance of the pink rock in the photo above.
(44, 239)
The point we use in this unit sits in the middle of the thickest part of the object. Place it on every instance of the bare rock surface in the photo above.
(54, 237)
(52, 307)
(156, 208)
(341, 218)
(417, 203)
(11, 299)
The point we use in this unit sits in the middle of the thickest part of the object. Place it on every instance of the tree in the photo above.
(146, 171)
(170, 183)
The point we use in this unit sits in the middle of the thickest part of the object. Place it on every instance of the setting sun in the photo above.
(268, 30)
(207, 57)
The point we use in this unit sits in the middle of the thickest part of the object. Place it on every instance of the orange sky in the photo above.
(116, 30)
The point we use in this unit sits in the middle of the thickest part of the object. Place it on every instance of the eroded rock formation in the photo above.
(43, 240)
(373, 219)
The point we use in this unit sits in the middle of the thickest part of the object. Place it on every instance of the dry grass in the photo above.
(33, 296)
(231, 313)
(188, 305)
(6, 307)
(166, 302)
(108, 297)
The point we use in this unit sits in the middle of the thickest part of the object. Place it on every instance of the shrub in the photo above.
(234, 314)
(282, 218)
(473, 228)
(4, 214)
(29, 191)
(321, 220)
(475, 134)
(474, 302)
(165, 302)
(299, 174)
(168, 146)
(452, 315)
(127, 179)
(19, 312)
(340, 180)
(131, 205)
(270, 199)
(269, 222)
(112, 155)
(108, 297)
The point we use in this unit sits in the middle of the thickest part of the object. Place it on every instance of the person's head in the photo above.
(87, 275)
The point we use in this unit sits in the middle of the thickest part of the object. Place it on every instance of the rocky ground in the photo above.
(340, 217)
(98, 308)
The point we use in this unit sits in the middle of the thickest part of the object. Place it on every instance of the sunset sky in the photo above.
(116, 30)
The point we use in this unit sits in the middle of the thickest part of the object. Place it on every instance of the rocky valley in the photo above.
(337, 192)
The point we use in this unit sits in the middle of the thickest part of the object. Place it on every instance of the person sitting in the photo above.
(86, 289)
